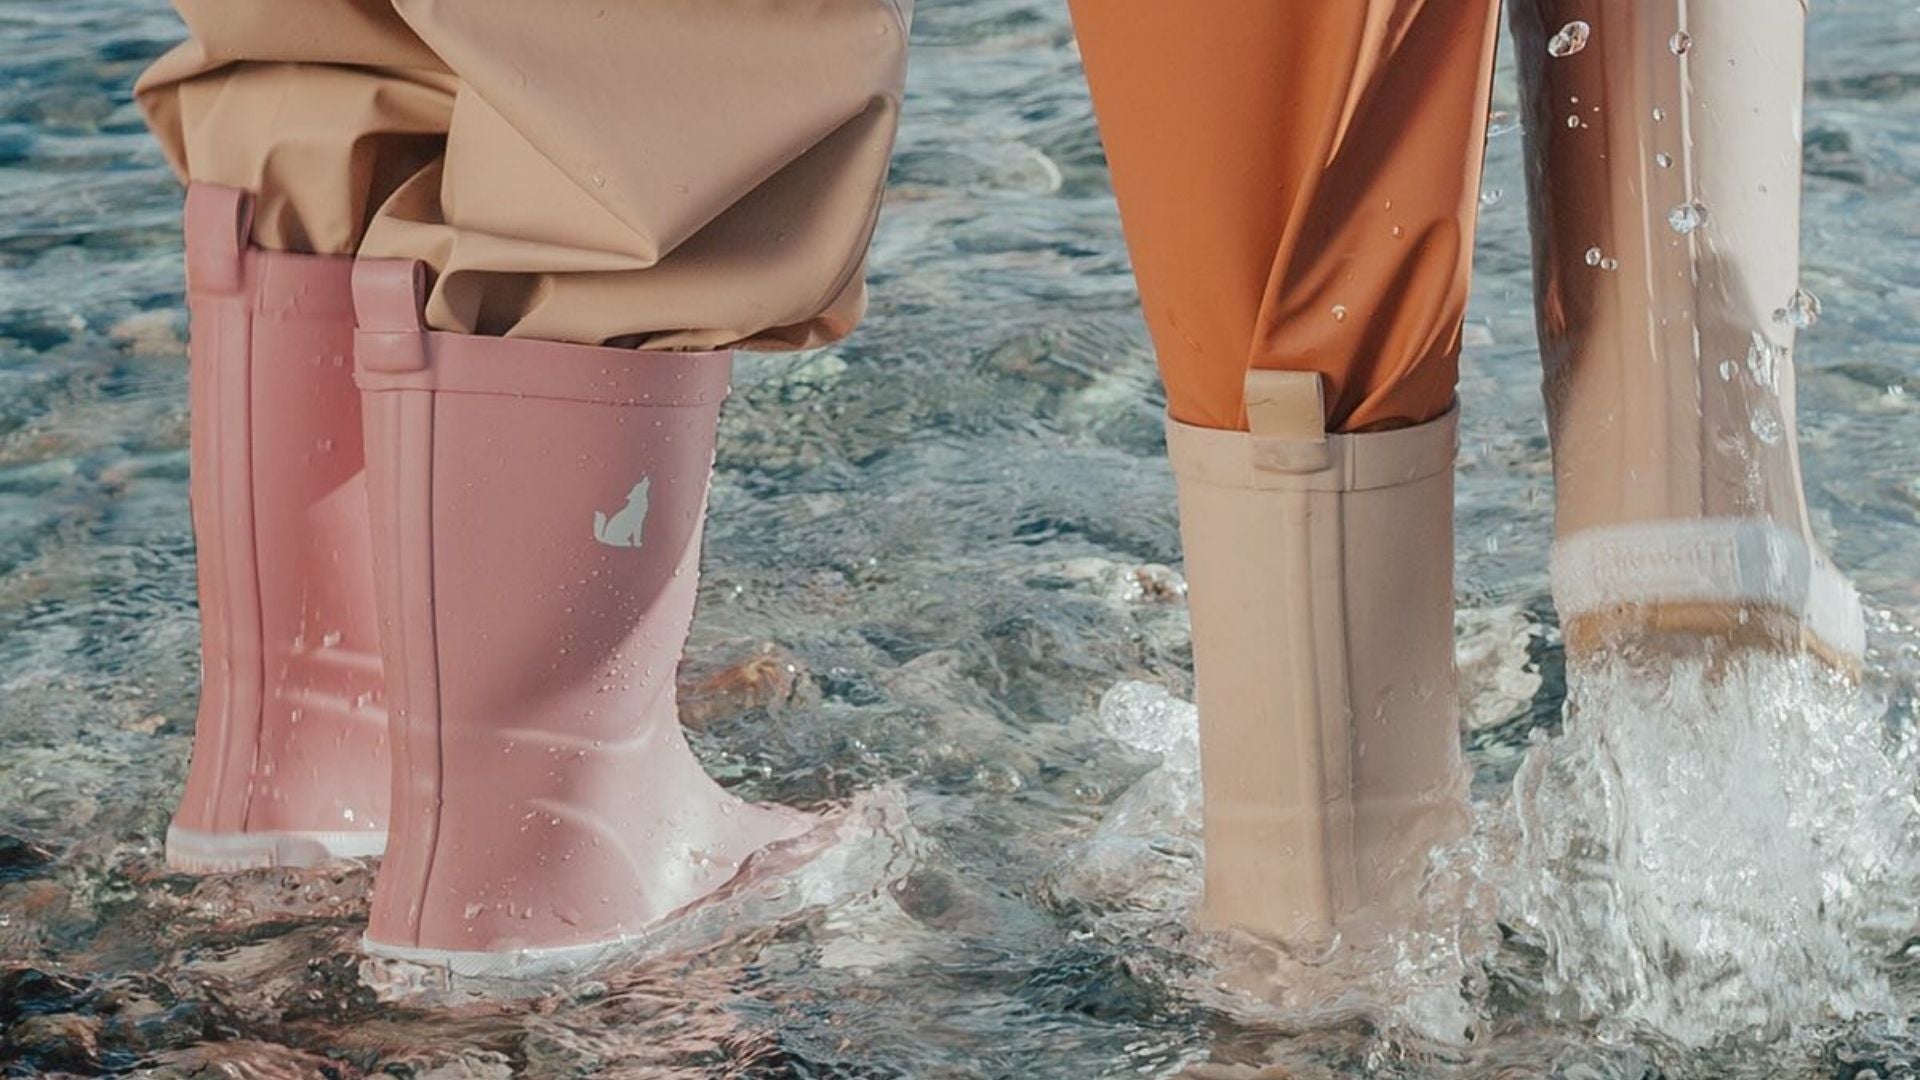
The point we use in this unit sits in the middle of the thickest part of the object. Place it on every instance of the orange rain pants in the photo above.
(1299, 181)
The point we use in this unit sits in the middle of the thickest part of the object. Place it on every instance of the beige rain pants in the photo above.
(656, 173)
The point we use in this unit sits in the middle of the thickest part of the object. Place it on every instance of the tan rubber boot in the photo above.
(1664, 175)
(1320, 574)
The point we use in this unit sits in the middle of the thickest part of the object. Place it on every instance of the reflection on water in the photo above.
(936, 550)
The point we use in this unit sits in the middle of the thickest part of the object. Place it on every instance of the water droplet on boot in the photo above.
(1571, 39)
(1687, 217)
(1763, 362)
(1802, 310)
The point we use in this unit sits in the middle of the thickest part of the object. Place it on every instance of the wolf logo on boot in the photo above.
(626, 528)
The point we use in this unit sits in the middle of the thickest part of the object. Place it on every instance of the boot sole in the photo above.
(400, 968)
(193, 852)
(515, 966)
(850, 852)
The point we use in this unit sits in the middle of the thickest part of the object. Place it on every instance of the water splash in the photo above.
(1140, 871)
(1710, 851)
(1143, 859)
(1713, 849)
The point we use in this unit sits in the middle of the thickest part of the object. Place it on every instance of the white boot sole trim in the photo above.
(207, 853)
(1714, 561)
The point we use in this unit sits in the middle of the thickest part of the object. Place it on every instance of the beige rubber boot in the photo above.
(1664, 173)
(1320, 574)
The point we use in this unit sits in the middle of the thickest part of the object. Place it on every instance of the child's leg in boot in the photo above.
(1298, 184)
(1665, 183)
(682, 178)
(284, 159)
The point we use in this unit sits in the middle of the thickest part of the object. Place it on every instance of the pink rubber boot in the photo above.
(289, 752)
(537, 512)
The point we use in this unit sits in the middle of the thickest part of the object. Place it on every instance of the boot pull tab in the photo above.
(1287, 415)
(219, 225)
(389, 297)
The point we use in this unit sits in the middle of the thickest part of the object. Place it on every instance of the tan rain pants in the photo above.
(659, 173)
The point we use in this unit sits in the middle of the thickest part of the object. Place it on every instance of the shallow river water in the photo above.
(938, 584)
